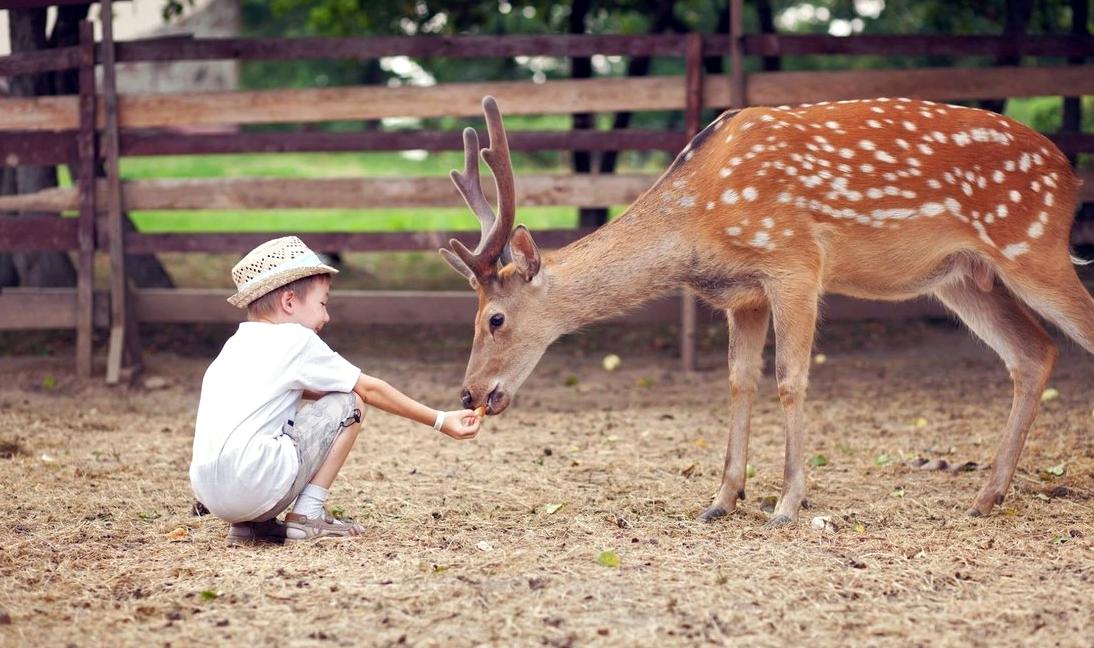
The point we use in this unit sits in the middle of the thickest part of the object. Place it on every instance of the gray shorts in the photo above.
(314, 430)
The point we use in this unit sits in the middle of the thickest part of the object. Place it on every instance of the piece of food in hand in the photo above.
(480, 411)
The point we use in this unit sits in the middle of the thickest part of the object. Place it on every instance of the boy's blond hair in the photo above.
(267, 304)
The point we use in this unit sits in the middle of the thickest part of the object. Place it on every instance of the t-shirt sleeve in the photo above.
(319, 368)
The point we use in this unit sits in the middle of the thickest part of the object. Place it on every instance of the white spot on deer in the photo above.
(1023, 162)
(687, 201)
(931, 209)
(902, 143)
(908, 125)
(934, 184)
(873, 123)
(811, 180)
(734, 161)
(1037, 159)
(893, 214)
(760, 239)
(846, 153)
(791, 171)
(1035, 186)
(725, 173)
(961, 138)
(1009, 165)
(733, 231)
(952, 206)
(1015, 196)
(925, 150)
(967, 188)
(788, 232)
(877, 109)
(1049, 199)
(882, 156)
(1036, 228)
(907, 193)
(867, 145)
(1014, 250)
(948, 177)
(874, 193)
(981, 182)
(767, 118)
(1001, 211)
(710, 205)
(729, 196)
(784, 197)
(750, 193)
(768, 222)
(1049, 182)
(1043, 217)
(867, 168)
(831, 124)
(939, 137)
(845, 168)
(998, 176)
(891, 190)
(979, 227)
(913, 161)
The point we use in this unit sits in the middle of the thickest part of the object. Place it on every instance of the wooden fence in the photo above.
(100, 125)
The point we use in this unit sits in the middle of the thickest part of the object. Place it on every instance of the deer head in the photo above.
(506, 270)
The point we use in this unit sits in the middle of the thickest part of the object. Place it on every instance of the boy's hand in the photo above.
(461, 424)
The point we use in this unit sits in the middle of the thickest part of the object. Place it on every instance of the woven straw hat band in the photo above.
(272, 265)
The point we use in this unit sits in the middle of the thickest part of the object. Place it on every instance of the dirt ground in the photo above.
(500, 541)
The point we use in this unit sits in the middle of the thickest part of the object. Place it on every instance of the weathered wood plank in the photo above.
(553, 97)
(912, 45)
(85, 266)
(947, 84)
(38, 233)
(336, 193)
(51, 60)
(565, 45)
(137, 143)
(36, 148)
(137, 243)
(47, 308)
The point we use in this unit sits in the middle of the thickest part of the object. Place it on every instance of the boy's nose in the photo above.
(466, 398)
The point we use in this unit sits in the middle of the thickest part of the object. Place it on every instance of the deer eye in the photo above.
(496, 320)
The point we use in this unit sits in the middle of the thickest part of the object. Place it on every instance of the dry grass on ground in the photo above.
(467, 545)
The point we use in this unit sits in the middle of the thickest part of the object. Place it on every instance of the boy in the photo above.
(254, 452)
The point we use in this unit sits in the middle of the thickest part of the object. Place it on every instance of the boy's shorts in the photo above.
(314, 431)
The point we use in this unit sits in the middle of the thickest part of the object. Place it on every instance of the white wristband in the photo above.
(439, 423)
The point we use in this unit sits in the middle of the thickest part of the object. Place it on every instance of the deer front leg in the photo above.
(794, 311)
(747, 333)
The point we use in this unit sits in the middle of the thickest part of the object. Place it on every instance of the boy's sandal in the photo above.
(246, 533)
(321, 527)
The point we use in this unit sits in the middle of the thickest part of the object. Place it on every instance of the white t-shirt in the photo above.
(242, 463)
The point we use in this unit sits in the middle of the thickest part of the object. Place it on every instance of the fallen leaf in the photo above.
(701, 442)
(208, 595)
(611, 362)
(483, 545)
(820, 359)
(899, 492)
(148, 515)
(1049, 394)
(551, 509)
(921, 422)
(337, 512)
(859, 527)
(823, 523)
(883, 459)
(180, 533)
(645, 382)
(690, 470)
(767, 503)
(1057, 471)
(818, 460)
(608, 559)
(570, 381)
(49, 382)
(1060, 539)
(437, 569)
(750, 471)
(47, 459)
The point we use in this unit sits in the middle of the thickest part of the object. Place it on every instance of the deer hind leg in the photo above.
(1055, 292)
(747, 333)
(997, 318)
(794, 312)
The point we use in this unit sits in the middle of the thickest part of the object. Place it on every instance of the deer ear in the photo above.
(524, 251)
(459, 266)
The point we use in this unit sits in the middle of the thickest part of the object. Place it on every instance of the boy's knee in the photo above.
(353, 421)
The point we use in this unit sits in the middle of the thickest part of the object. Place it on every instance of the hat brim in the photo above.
(252, 292)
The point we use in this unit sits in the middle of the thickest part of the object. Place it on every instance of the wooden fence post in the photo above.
(123, 333)
(737, 90)
(85, 147)
(693, 114)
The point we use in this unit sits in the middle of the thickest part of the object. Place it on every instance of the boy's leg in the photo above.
(339, 451)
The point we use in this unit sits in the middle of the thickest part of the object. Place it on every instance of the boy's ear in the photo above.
(285, 300)
(524, 251)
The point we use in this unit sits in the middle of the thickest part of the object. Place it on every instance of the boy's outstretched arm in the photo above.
(458, 424)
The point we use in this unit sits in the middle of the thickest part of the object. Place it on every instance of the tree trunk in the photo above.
(581, 68)
(767, 26)
(41, 269)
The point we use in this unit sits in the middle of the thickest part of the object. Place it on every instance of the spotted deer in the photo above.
(768, 209)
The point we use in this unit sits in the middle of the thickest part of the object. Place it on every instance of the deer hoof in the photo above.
(779, 521)
(974, 513)
(713, 513)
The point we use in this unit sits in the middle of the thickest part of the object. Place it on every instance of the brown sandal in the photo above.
(323, 527)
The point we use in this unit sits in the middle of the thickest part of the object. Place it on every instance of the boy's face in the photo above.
(310, 309)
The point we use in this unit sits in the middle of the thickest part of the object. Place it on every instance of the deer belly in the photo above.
(899, 272)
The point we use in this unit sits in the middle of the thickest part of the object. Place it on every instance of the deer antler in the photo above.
(493, 243)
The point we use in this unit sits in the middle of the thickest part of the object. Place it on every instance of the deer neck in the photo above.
(620, 266)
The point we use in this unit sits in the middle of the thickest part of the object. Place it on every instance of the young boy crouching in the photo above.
(255, 452)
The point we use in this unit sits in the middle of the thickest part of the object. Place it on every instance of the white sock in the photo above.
(311, 500)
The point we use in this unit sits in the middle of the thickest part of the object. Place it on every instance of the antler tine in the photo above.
(469, 186)
(501, 165)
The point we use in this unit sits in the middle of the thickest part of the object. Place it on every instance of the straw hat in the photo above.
(272, 265)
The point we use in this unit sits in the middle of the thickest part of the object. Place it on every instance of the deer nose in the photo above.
(466, 398)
